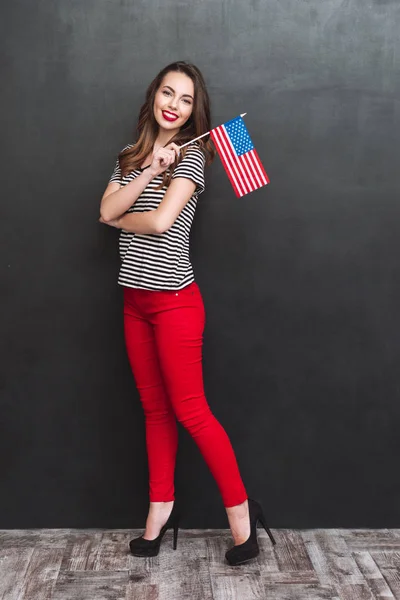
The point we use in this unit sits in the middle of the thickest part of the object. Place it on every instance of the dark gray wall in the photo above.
(300, 279)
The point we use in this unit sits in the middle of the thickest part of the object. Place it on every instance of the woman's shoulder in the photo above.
(195, 150)
(191, 165)
(194, 145)
(130, 145)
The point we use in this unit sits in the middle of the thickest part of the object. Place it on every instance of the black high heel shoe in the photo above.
(249, 549)
(141, 547)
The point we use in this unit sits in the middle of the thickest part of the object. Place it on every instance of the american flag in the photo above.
(240, 159)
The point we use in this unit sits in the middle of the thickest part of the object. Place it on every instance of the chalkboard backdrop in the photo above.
(300, 279)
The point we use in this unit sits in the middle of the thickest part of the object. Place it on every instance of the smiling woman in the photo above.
(152, 197)
(174, 105)
(183, 103)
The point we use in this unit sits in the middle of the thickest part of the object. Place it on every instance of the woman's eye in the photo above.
(187, 102)
(167, 92)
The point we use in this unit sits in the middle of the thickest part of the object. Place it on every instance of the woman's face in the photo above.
(173, 102)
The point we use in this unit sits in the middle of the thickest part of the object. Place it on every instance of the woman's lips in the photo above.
(169, 116)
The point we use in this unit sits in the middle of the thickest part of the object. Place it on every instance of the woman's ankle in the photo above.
(239, 510)
(161, 505)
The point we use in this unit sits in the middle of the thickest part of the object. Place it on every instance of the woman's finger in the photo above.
(174, 147)
(167, 157)
(163, 153)
(170, 149)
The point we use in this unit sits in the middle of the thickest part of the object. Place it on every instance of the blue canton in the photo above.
(239, 135)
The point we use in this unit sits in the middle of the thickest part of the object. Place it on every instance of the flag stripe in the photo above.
(253, 166)
(255, 161)
(229, 172)
(250, 174)
(228, 164)
(260, 165)
(250, 184)
(256, 171)
(231, 159)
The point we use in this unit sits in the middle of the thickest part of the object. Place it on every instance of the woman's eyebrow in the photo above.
(172, 89)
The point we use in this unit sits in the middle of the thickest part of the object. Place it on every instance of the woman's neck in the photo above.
(163, 138)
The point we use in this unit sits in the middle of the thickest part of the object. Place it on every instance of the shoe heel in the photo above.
(176, 528)
(263, 522)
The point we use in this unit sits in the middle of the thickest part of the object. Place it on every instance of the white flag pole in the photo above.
(200, 136)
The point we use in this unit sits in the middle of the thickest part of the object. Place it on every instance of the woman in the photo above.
(152, 196)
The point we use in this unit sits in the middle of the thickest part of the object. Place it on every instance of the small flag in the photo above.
(240, 159)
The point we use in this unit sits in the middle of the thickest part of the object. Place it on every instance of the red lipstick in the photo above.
(169, 116)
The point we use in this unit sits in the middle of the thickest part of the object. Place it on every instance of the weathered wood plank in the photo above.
(42, 573)
(91, 585)
(113, 553)
(291, 553)
(145, 591)
(204, 533)
(14, 563)
(392, 577)
(18, 538)
(292, 577)
(267, 558)
(182, 573)
(30, 538)
(356, 591)
(388, 563)
(337, 565)
(317, 556)
(81, 550)
(387, 559)
(248, 586)
(373, 576)
(337, 561)
(369, 539)
(300, 592)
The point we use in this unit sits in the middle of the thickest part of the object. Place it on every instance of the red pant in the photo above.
(164, 337)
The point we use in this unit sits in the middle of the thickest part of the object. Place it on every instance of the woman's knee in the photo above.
(156, 404)
(193, 413)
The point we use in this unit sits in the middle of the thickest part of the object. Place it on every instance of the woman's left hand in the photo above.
(113, 223)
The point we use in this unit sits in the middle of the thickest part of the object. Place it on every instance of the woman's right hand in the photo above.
(163, 158)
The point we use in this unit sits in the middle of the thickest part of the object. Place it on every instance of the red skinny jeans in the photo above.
(164, 338)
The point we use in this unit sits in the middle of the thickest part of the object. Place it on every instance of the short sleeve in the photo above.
(192, 167)
(116, 174)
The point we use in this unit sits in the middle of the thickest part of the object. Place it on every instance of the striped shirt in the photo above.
(160, 261)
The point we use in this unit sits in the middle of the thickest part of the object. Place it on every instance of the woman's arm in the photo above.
(136, 222)
(179, 192)
(116, 201)
(160, 219)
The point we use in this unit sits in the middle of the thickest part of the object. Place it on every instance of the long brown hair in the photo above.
(147, 127)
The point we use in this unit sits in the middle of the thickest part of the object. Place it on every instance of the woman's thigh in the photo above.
(179, 339)
(143, 356)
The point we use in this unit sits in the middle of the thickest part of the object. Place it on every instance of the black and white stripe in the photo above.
(160, 261)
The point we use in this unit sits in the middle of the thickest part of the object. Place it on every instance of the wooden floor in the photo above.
(315, 564)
